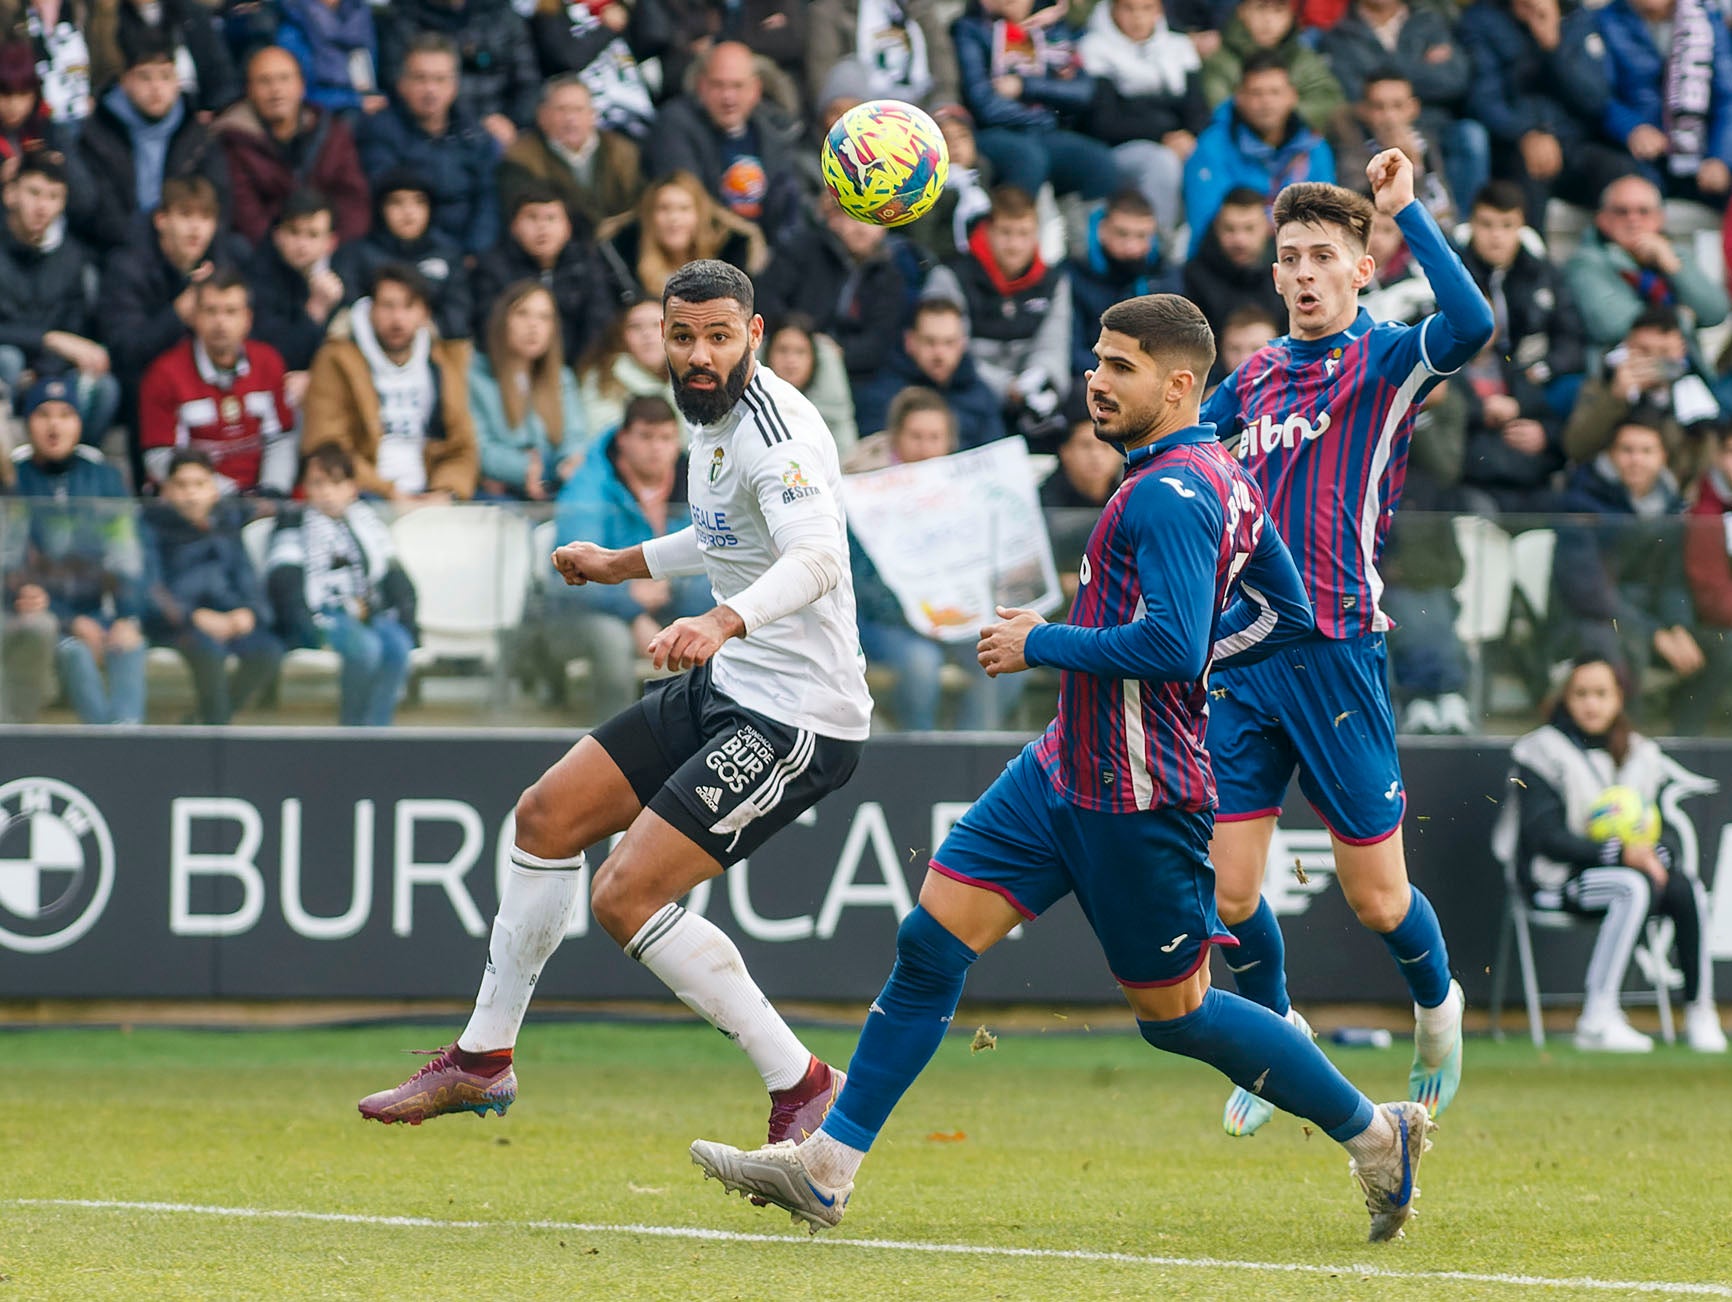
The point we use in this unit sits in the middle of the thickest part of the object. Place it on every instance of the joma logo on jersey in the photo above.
(1267, 433)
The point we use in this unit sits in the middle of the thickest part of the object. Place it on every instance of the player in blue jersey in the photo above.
(1322, 418)
(1115, 801)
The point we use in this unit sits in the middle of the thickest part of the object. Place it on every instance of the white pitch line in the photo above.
(889, 1245)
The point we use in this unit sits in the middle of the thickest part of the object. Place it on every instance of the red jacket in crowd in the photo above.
(1708, 550)
(245, 428)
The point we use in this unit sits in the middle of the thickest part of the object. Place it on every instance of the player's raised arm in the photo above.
(1271, 609)
(1178, 526)
(1463, 323)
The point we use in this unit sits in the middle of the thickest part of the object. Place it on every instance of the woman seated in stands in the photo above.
(628, 362)
(529, 422)
(812, 363)
(676, 222)
(1560, 770)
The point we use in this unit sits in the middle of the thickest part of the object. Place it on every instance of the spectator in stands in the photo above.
(1148, 97)
(603, 44)
(1627, 263)
(1619, 573)
(83, 556)
(1232, 265)
(204, 600)
(1121, 260)
(142, 134)
(277, 143)
(628, 362)
(1558, 773)
(220, 393)
(1650, 372)
(1019, 314)
(774, 30)
(59, 33)
(1089, 471)
(920, 428)
(26, 128)
(1021, 81)
(46, 308)
(839, 272)
(498, 78)
(1708, 570)
(943, 232)
(935, 355)
(595, 170)
(428, 131)
(1418, 44)
(738, 147)
(1256, 140)
(676, 221)
(338, 51)
(814, 364)
(529, 423)
(1539, 331)
(902, 45)
(1539, 86)
(1270, 26)
(207, 71)
(294, 289)
(396, 398)
(1422, 565)
(1387, 116)
(1671, 107)
(1245, 330)
(334, 581)
(404, 233)
(538, 245)
(630, 488)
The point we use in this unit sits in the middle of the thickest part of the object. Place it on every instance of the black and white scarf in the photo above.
(1689, 86)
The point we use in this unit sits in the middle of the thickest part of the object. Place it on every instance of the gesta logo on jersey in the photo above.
(1267, 433)
(794, 485)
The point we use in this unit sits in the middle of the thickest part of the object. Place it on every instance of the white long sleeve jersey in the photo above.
(761, 478)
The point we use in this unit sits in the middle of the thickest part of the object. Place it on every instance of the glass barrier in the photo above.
(121, 613)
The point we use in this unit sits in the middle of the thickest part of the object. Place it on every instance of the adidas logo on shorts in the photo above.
(711, 796)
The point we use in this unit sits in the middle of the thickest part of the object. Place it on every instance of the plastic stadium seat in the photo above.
(1484, 591)
(1531, 565)
(471, 568)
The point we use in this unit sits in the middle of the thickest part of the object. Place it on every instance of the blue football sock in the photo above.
(1262, 1053)
(1418, 948)
(904, 1028)
(1259, 963)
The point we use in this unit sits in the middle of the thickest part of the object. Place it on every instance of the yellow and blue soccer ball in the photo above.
(886, 162)
(1621, 812)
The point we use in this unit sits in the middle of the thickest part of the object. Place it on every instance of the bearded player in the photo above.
(770, 717)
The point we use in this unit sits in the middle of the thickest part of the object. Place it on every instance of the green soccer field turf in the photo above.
(1563, 1167)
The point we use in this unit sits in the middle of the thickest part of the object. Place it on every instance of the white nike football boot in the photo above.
(777, 1175)
(1246, 1113)
(1389, 1178)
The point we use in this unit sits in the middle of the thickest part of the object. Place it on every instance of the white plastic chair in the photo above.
(471, 567)
(1531, 554)
(1482, 596)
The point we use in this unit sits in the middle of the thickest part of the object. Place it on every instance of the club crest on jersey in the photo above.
(1267, 433)
(794, 485)
(1332, 361)
(716, 466)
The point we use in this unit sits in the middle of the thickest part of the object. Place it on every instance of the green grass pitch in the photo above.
(1548, 1168)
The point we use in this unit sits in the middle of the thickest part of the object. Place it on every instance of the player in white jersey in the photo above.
(770, 718)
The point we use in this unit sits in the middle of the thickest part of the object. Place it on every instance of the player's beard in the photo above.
(703, 407)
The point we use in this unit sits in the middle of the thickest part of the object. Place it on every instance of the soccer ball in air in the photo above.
(885, 161)
(1621, 812)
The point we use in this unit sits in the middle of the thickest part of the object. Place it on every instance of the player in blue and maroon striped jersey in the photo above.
(1115, 801)
(1323, 417)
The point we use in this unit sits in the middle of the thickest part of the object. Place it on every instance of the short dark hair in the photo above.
(49, 164)
(431, 43)
(184, 457)
(1132, 203)
(533, 190)
(1317, 203)
(401, 273)
(1168, 327)
(1657, 316)
(1010, 201)
(1500, 196)
(149, 46)
(222, 278)
(918, 398)
(704, 280)
(1244, 196)
(195, 192)
(333, 458)
(937, 306)
(1250, 314)
(1384, 72)
(647, 409)
(305, 202)
(1264, 61)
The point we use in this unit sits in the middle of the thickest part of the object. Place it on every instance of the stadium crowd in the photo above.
(335, 261)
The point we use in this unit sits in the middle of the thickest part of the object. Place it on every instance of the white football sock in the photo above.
(1434, 1028)
(1370, 1142)
(700, 964)
(831, 1162)
(534, 911)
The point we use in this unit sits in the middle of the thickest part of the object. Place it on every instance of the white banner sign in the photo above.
(954, 536)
